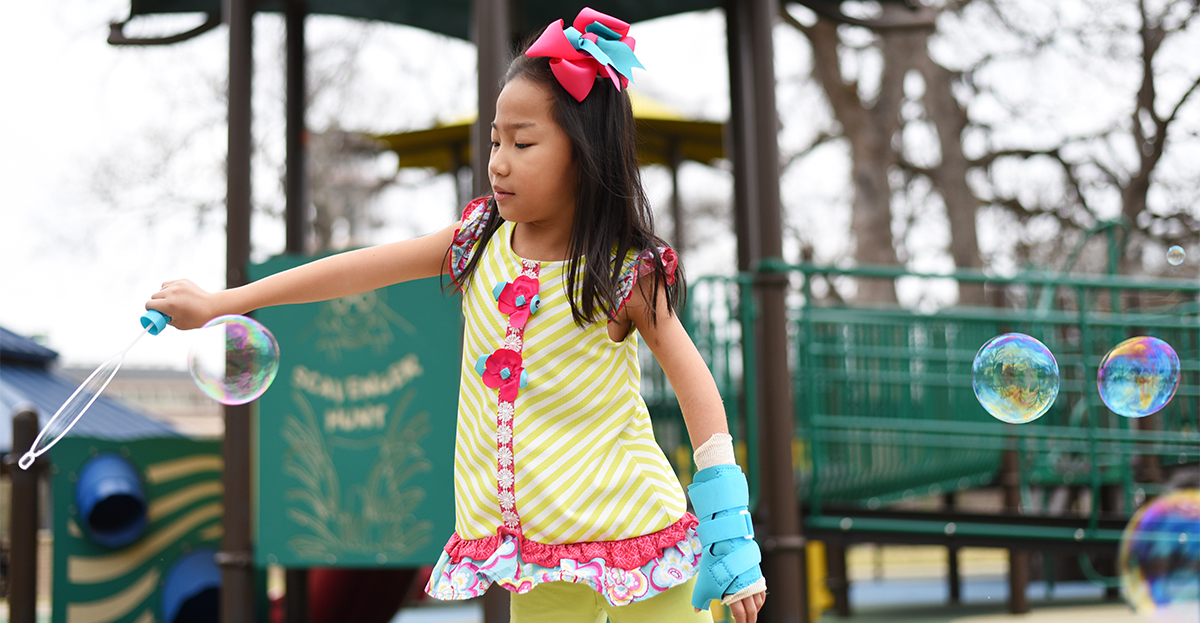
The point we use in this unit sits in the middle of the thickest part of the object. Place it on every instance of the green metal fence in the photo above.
(884, 408)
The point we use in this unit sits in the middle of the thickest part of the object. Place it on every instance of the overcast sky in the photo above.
(107, 149)
(78, 110)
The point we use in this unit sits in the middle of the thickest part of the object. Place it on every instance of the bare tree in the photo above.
(972, 164)
(1098, 168)
(870, 124)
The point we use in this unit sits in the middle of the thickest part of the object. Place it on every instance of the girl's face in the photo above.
(531, 169)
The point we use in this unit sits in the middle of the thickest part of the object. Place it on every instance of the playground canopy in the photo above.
(664, 136)
(448, 17)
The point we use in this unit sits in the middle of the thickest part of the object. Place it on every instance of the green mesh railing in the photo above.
(884, 408)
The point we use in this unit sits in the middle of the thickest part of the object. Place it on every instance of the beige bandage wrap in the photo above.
(718, 450)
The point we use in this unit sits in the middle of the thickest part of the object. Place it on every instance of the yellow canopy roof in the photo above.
(661, 130)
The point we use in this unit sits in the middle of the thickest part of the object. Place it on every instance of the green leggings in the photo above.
(566, 602)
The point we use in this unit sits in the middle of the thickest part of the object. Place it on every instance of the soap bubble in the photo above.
(1159, 558)
(1175, 255)
(1015, 378)
(233, 359)
(1139, 376)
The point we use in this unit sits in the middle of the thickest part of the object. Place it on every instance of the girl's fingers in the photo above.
(188, 305)
(746, 610)
(738, 611)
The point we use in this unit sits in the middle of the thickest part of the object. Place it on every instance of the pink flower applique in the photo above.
(502, 370)
(518, 299)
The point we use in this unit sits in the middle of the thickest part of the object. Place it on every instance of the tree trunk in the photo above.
(950, 175)
(871, 130)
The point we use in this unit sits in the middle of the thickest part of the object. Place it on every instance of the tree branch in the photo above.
(1178, 105)
(823, 137)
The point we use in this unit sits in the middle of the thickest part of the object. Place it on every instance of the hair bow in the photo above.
(603, 48)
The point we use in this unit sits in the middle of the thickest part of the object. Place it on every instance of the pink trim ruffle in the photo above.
(643, 264)
(474, 220)
(625, 554)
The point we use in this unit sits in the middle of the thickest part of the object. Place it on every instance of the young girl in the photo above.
(562, 495)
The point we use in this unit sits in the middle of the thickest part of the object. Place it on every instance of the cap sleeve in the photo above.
(474, 220)
(637, 265)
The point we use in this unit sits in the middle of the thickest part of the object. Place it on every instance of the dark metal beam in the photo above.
(296, 133)
(116, 33)
(236, 557)
(759, 226)
(22, 588)
(295, 606)
(490, 29)
(740, 139)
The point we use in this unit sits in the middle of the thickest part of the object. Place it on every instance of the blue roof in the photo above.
(17, 348)
(25, 379)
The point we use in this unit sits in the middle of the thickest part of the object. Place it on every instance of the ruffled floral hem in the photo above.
(626, 553)
(508, 566)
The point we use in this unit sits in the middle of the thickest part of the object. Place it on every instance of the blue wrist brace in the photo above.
(730, 560)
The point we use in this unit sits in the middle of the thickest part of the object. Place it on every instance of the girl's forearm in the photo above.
(343, 274)
(701, 405)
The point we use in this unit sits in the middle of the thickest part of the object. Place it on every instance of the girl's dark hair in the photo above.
(612, 213)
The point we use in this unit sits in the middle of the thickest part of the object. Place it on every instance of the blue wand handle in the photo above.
(155, 321)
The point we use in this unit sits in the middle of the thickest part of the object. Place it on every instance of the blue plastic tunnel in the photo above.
(111, 500)
(191, 592)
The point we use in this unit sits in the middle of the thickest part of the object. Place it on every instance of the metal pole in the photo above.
(22, 589)
(296, 172)
(678, 228)
(296, 187)
(740, 138)
(954, 576)
(1018, 559)
(491, 30)
(837, 579)
(760, 232)
(236, 557)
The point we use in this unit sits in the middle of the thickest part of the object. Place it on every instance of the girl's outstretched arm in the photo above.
(331, 277)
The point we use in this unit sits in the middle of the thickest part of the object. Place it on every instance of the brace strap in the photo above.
(725, 492)
(726, 528)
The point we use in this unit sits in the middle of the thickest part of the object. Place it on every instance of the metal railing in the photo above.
(884, 408)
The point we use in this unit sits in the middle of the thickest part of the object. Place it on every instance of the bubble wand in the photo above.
(69, 413)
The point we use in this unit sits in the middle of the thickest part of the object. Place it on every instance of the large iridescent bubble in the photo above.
(233, 359)
(1015, 378)
(1159, 558)
(1139, 376)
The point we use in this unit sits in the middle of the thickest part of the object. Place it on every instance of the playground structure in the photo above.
(835, 489)
(885, 413)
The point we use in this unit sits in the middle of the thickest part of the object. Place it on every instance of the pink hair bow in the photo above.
(595, 45)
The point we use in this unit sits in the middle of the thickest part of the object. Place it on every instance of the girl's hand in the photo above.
(746, 610)
(188, 305)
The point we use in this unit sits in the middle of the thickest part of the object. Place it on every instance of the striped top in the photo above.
(554, 441)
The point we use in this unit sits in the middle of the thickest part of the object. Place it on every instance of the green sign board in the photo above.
(355, 437)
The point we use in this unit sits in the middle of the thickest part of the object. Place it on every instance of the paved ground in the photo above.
(897, 585)
(912, 600)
